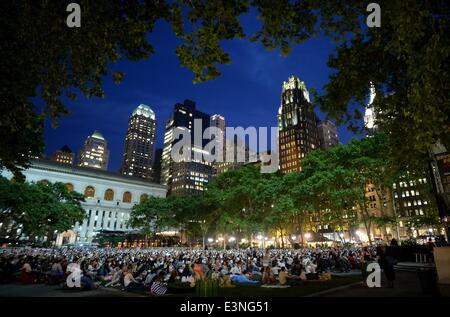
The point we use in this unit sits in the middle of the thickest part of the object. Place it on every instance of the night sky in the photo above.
(247, 94)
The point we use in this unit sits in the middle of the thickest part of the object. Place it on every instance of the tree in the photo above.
(40, 210)
(406, 59)
(150, 215)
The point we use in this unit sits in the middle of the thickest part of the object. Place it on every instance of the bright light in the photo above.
(231, 239)
(293, 237)
(430, 230)
(221, 239)
(265, 238)
(359, 233)
(259, 237)
(307, 235)
(210, 240)
(243, 240)
(341, 235)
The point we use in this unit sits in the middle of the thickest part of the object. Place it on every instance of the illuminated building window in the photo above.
(69, 187)
(126, 197)
(143, 197)
(109, 194)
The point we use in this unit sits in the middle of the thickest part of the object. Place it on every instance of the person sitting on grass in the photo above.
(158, 287)
(56, 273)
(198, 270)
(129, 282)
(268, 277)
(115, 277)
(26, 276)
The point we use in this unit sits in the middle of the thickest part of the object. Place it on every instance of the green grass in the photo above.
(309, 287)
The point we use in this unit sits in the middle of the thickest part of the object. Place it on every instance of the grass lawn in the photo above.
(309, 287)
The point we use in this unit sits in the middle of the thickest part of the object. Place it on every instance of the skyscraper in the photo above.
(241, 156)
(138, 154)
(188, 176)
(297, 123)
(95, 152)
(370, 115)
(157, 166)
(328, 135)
(63, 155)
(218, 121)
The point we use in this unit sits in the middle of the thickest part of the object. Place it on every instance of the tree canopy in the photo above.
(406, 59)
(330, 192)
(30, 210)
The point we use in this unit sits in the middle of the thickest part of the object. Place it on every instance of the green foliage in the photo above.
(407, 59)
(331, 189)
(207, 287)
(151, 215)
(37, 209)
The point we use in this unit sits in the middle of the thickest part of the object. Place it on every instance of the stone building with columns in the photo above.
(109, 196)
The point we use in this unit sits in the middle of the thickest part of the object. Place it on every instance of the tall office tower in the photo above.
(370, 115)
(63, 155)
(188, 176)
(138, 154)
(297, 123)
(218, 121)
(95, 152)
(157, 166)
(328, 135)
(241, 156)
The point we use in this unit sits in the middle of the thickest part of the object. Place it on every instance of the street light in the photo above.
(210, 240)
(243, 240)
(259, 237)
(231, 239)
(293, 237)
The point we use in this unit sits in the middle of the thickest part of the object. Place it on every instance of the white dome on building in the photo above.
(144, 110)
(97, 135)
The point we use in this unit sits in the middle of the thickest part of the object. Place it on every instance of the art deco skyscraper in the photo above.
(138, 154)
(297, 122)
(95, 152)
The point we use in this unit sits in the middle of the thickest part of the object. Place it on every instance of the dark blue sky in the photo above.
(247, 93)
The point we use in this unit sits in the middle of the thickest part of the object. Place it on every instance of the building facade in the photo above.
(95, 153)
(190, 176)
(297, 123)
(218, 121)
(138, 154)
(236, 154)
(63, 155)
(328, 135)
(109, 197)
(157, 166)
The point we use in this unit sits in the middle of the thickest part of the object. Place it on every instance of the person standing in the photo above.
(387, 263)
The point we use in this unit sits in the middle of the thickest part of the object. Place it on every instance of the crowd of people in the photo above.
(157, 269)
